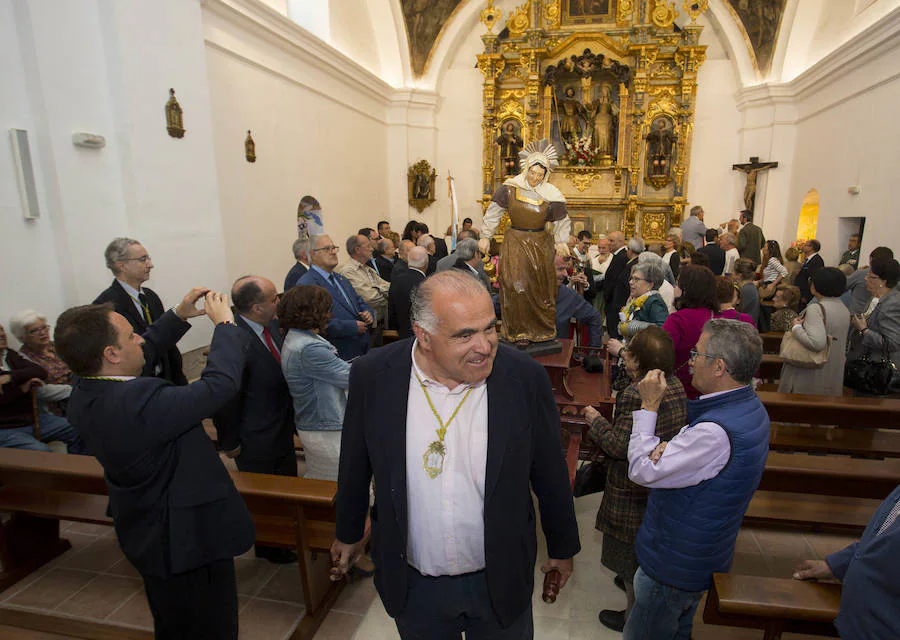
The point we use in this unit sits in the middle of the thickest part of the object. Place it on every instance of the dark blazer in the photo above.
(384, 269)
(174, 506)
(750, 242)
(399, 267)
(623, 288)
(260, 417)
(523, 442)
(716, 256)
(399, 304)
(802, 279)
(440, 248)
(481, 275)
(341, 330)
(613, 271)
(169, 359)
(432, 265)
(294, 275)
(868, 570)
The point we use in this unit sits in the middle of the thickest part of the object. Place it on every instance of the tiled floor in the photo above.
(94, 581)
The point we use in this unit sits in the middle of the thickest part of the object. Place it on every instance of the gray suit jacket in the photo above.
(694, 231)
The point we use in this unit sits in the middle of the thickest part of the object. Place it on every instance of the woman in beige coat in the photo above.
(824, 317)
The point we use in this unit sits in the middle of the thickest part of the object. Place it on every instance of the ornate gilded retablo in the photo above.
(174, 120)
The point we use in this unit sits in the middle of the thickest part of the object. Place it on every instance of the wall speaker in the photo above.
(25, 173)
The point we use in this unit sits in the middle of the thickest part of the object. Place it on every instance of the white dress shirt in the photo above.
(446, 514)
(731, 256)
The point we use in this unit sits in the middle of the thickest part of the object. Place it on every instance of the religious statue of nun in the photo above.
(527, 278)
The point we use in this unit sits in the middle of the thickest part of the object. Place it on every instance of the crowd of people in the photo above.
(687, 442)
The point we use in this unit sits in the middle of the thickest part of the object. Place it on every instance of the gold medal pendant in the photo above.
(433, 459)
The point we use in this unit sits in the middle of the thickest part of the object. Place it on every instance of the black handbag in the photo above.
(590, 478)
(871, 377)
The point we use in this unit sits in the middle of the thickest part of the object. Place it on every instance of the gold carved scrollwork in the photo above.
(653, 226)
(625, 9)
(512, 93)
(511, 109)
(663, 102)
(551, 14)
(663, 14)
(490, 16)
(491, 65)
(519, 21)
(694, 8)
(581, 180)
(658, 182)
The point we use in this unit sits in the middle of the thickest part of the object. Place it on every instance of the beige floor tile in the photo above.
(102, 596)
(551, 628)
(98, 530)
(788, 544)
(376, 625)
(268, 620)
(284, 585)
(750, 564)
(51, 588)
(123, 568)
(253, 573)
(100, 555)
(340, 626)
(824, 544)
(25, 582)
(591, 631)
(356, 598)
(746, 542)
(135, 612)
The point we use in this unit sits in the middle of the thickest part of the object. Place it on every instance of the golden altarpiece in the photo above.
(613, 84)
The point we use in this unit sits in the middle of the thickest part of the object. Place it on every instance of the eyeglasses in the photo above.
(634, 279)
(143, 259)
(37, 330)
(695, 353)
(328, 248)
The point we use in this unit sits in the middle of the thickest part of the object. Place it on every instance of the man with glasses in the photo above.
(701, 481)
(131, 265)
(351, 317)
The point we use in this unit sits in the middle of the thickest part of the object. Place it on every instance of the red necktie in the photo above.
(268, 338)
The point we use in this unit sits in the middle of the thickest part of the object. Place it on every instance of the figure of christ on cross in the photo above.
(752, 169)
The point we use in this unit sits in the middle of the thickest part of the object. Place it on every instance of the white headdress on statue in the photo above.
(544, 153)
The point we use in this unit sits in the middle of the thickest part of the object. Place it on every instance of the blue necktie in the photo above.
(336, 285)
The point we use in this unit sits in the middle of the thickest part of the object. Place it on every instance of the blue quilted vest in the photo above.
(688, 534)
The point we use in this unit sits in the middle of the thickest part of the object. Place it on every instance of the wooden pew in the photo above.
(772, 341)
(845, 411)
(775, 605)
(40, 489)
(770, 367)
(869, 443)
(830, 475)
(810, 511)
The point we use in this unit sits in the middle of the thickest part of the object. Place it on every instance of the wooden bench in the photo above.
(770, 367)
(870, 443)
(775, 605)
(772, 341)
(40, 489)
(810, 511)
(830, 475)
(844, 411)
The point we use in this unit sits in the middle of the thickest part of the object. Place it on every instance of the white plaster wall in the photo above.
(317, 131)
(352, 33)
(106, 67)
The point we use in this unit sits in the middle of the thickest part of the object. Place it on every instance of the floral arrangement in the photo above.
(581, 151)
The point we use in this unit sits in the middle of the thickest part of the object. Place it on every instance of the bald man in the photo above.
(256, 427)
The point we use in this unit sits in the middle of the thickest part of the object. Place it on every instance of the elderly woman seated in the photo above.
(624, 502)
(33, 331)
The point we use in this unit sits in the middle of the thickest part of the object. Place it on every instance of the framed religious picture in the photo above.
(421, 178)
(588, 11)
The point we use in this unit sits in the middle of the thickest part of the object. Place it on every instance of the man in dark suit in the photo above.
(622, 290)
(453, 526)
(348, 328)
(131, 266)
(468, 259)
(178, 517)
(714, 252)
(301, 266)
(256, 427)
(382, 261)
(401, 290)
(750, 238)
(613, 271)
(811, 264)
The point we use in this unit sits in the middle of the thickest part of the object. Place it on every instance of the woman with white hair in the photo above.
(528, 285)
(666, 289)
(32, 330)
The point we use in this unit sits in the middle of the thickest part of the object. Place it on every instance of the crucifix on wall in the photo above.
(752, 169)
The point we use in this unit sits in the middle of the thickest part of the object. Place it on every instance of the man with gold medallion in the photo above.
(457, 432)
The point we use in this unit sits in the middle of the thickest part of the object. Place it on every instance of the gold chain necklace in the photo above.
(433, 458)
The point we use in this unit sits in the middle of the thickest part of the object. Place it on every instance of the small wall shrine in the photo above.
(613, 84)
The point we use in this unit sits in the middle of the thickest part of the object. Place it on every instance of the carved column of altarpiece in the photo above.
(615, 78)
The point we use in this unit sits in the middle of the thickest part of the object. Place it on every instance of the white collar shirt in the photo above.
(446, 513)
(133, 294)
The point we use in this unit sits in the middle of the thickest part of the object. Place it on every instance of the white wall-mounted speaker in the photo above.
(25, 173)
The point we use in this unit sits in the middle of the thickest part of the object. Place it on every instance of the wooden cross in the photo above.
(752, 169)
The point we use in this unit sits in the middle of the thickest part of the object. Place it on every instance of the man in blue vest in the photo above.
(701, 481)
